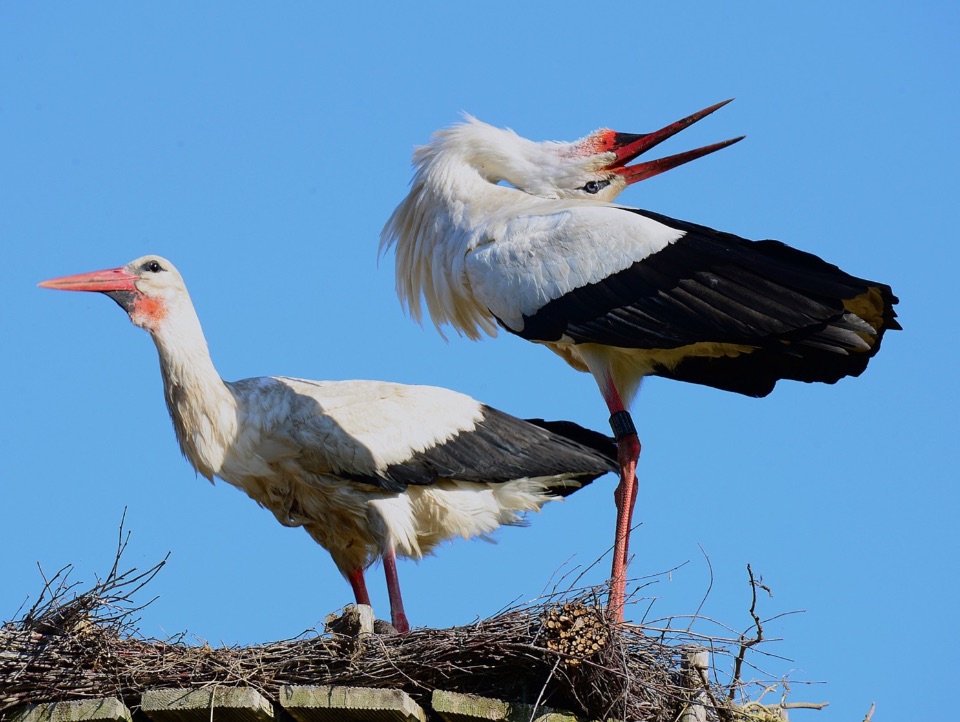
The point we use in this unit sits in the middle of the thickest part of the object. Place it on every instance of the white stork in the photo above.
(369, 469)
(501, 230)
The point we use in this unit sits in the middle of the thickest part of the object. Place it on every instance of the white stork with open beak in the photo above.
(369, 469)
(501, 230)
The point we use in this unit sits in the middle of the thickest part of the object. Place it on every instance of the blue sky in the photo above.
(261, 147)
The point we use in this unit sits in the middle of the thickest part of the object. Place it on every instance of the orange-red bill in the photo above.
(628, 146)
(650, 168)
(112, 279)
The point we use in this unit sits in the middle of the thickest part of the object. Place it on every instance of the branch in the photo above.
(746, 643)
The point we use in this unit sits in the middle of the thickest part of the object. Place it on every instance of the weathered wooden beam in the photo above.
(85, 710)
(328, 703)
(459, 707)
(227, 704)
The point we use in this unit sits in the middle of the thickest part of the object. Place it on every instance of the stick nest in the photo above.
(559, 652)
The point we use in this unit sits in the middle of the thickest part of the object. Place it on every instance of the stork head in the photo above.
(147, 288)
(604, 155)
(594, 167)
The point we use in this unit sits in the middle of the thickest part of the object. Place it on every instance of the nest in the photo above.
(559, 652)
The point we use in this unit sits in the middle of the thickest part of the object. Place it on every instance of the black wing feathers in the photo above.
(707, 286)
(801, 317)
(504, 448)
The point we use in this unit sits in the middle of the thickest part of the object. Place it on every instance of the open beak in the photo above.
(113, 279)
(628, 146)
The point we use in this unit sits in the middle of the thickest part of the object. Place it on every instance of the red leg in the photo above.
(625, 497)
(397, 615)
(359, 586)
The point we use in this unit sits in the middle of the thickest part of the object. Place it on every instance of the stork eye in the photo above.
(152, 267)
(593, 187)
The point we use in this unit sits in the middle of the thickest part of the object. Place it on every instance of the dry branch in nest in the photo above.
(561, 652)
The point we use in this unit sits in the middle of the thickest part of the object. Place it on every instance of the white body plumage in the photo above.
(292, 446)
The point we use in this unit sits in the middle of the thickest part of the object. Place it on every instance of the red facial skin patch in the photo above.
(600, 141)
(148, 311)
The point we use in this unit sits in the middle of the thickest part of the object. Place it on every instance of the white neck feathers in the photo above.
(203, 410)
(453, 206)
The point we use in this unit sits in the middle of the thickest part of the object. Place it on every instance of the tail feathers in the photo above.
(603, 445)
(821, 358)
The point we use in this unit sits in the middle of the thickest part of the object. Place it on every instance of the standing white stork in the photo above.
(498, 229)
(369, 469)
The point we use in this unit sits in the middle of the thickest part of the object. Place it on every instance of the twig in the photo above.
(746, 643)
(706, 594)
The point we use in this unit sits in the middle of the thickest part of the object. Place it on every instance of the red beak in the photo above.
(628, 146)
(113, 279)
